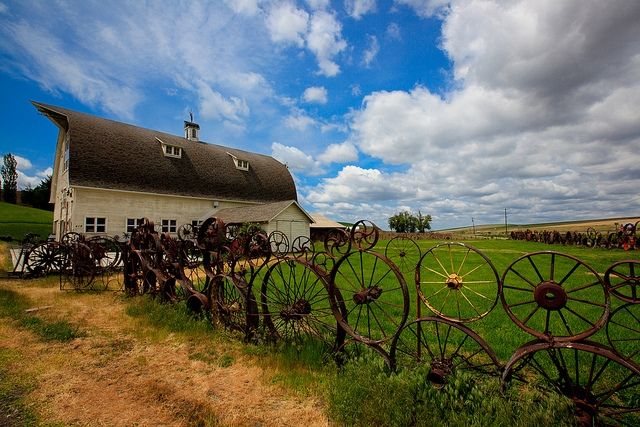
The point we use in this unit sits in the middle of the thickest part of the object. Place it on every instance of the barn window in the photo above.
(133, 223)
(95, 225)
(169, 225)
(172, 151)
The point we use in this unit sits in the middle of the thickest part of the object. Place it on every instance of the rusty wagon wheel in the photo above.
(80, 271)
(554, 296)
(187, 232)
(444, 346)
(70, 238)
(364, 235)
(279, 243)
(375, 296)
(106, 251)
(603, 386)
(457, 282)
(623, 280)
(235, 304)
(45, 258)
(295, 304)
(623, 331)
(405, 253)
(302, 247)
(337, 243)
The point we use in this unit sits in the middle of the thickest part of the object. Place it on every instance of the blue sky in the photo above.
(458, 109)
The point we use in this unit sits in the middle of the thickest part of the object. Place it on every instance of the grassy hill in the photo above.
(16, 221)
(603, 225)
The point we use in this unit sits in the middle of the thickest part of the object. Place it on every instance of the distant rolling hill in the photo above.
(16, 221)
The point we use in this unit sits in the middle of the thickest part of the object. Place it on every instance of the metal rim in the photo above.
(623, 331)
(374, 293)
(623, 280)
(405, 253)
(554, 296)
(457, 282)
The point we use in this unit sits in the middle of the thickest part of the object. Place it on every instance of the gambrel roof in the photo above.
(108, 154)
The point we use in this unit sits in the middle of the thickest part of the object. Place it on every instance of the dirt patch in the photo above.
(113, 377)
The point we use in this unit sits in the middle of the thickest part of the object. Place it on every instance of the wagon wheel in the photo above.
(193, 266)
(337, 242)
(235, 305)
(623, 280)
(44, 258)
(629, 229)
(70, 237)
(405, 253)
(444, 346)
(613, 240)
(279, 243)
(554, 296)
(187, 232)
(364, 234)
(107, 252)
(81, 269)
(623, 331)
(301, 247)
(295, 304)
(374, 293)
(592, 237)
(603, 386)
(457, 282)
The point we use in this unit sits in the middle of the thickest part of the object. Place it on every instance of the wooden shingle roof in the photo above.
(257, 213)
(113, 155)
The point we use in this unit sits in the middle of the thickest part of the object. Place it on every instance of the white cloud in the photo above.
(22, 163)
(299, 120)
(215, 106)
(358, 8)
(371, 52)
(393, 31)
(318, 4)
(315, 94)
(296, 160)
(286, 23)
(339, 153)
(245, 7)
(325, 41)
(3, 8)
(426, 8)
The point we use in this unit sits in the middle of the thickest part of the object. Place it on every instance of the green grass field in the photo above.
(16, 221)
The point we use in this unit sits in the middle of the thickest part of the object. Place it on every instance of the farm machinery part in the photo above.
(626, 237)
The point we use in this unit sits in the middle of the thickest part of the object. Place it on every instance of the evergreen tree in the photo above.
(9, 175)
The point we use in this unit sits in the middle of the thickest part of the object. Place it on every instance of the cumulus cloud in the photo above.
(245, 7)
(426, 8)
(539, 119)
(296, 160)
(339, 153)
(325, 41)
(358, 8)
(315, 94)
(214, 105)
(299, 120)
(287, 23)
(371, 52)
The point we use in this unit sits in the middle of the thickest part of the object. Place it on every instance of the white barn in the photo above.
(108, 175)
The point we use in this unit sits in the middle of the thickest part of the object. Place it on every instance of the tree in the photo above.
(423, 223)
(39, 197)
(9, 178)
(406, 222)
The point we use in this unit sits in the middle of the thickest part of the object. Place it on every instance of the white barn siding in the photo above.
(292, 222)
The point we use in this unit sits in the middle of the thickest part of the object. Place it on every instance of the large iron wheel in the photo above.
(187, 232)
(457, 282)
(623, 331)
(302, 247)
(106, 252)
(45, 258)
(295, 304)
(623, 280)
(554, 296)
(279, 243)
(375, 296)
(445, 346)
(405, 253)
(604, 387)
(235, 305)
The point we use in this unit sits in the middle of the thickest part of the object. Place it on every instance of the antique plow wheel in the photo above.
(554, 296)
(604, 387)
(457, 282)
(279, 244)
(302, 247)
(235, 304)
(375, 296)
(45, 258)
(623, 331)
(295, 304)
(623, 280)
(80, 270)
(405, 253)
(444, 346)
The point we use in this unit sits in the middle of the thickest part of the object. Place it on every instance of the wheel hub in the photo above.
(454, 281)
(296, 311)
(550, 295)
(368, 295)
(440, 369)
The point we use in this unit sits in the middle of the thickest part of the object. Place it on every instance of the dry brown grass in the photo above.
(114, 376)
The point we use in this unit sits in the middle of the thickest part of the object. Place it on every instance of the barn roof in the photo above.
(113, 155)
(256, 213)
(321, 221)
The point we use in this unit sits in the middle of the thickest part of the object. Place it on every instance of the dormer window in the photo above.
(170, 150)
(241, 164)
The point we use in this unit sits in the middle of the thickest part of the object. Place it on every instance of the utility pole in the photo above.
(474, 227)
(506, 233)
